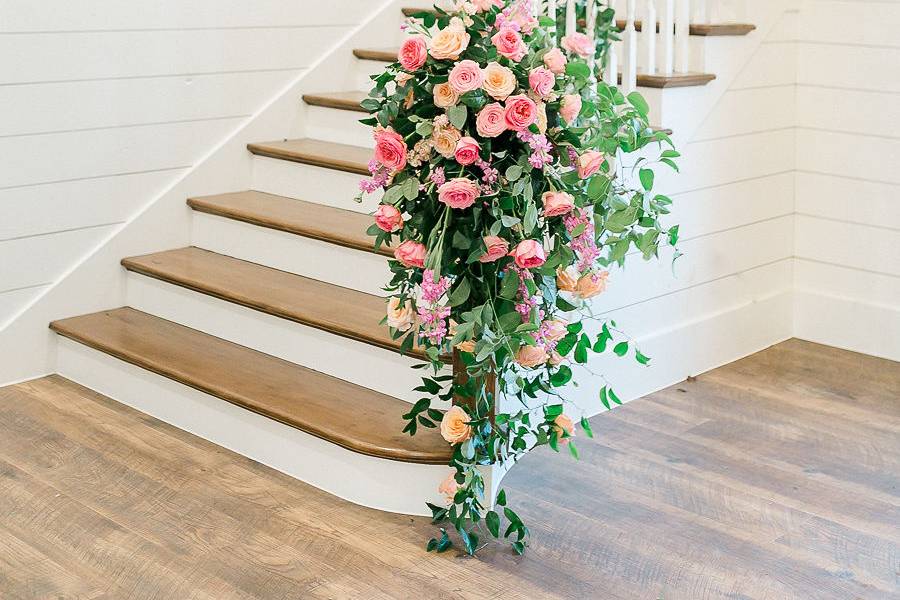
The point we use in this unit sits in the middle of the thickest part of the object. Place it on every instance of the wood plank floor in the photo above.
(774, 477)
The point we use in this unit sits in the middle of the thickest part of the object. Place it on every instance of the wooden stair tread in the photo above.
(643, 79)
(308, 219)
(319, 153)
(343, 413)
(342, 311)
(340, 100)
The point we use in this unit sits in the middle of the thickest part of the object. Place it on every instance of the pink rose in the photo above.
(570, 107)
(467, 150)
(449, 487)
(390, 149)
(541, 81)
(557, 203)
(556, 61)
(521, 111)
(458, 192)
(529, 254)
(497, 248)
(486, 5)
(413, 53)
(509, 44)
(388, 218)
(411, 254)
(466, 76)
(491, 121)
(589, 163)
(578, 43)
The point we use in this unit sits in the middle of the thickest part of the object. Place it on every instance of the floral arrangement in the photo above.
(505, 201)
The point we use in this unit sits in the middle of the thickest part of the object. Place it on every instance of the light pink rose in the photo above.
(591, 284)
(571, 106)
(541, 81)
(390, 149)
(556, 61)
(388, 218)
(557, 203)
(413, 53)
(531, 357)
(499, 81)
(467, 150)
(578, 43)
(411, 254)
(529, 254)
(455, 426)
(458, 192)
(486, 5)
(450, 42)
(564, 425)
(521, 111)
(466, 76)
(400, 316)
(491, 121)
(555, 330)
(509, 44)
(497, 248)
(449, 487)
(589, 163)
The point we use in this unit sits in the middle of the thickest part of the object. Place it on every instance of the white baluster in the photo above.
(570, 17)
(592, 33)
(667, 29)
(612, 66)
(648, 34)
(629, 58)
(701, 11)
(552, 13)
(682, 35)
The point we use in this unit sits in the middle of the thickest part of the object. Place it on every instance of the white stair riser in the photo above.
(374, 482)
(357, 362)
(338, 125)
(355, 269)
(313, 184)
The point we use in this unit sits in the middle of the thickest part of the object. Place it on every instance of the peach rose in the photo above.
(556, 61)
(455, 426)
(400, 317)
(570, 107)
(591, 284)
(450, 42)
(491, 121)
(413, 53)
(531, 357)
(388, 218)
(542, 117)
(509, 44)
(497, 248)
(555, 330)
(467, 150)
(499, 81)
(565, 282)
(411, 254)
(445, 140)
(521, 111)
(555, 359)
(466, 76)
(578, 43)
(529, 254)
(564, 425)
(467, 346)
(557, 203)
(390, 149)
(444, 95)
(458, 192)
(402, 78)
(541, 81)
(449, 487)
(589, 163)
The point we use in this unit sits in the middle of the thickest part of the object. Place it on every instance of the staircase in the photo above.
(263, 335)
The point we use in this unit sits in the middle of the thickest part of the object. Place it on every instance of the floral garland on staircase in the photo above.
(505, 199)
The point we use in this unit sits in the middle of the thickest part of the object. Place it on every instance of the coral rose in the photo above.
(400, 317)
(413, 53)
(578, 43)
(445, 140)
(557, 203)
(499, 81)
(466, 76)
(565, 282)
(529, 254)
(556, 61)
(458, 192)
(531, 357)
(541, 81)
(467, 150)
(589, 163)
(444, 95)
(497, 248)
(390, 149)
(521, 111)
(491, 121)
(388, 218)
(570, 107)
(411, 254)
(563, 425)
(509, 44)
(455, 426)
(449, 487)
(450, 42)
(555, 330)
(591, 284)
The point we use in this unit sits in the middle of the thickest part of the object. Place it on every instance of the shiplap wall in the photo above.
(847, 243)
(103, 104)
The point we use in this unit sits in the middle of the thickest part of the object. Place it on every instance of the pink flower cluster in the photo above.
(432, 313)
(584, 245)
(540, 148)
(379, 179)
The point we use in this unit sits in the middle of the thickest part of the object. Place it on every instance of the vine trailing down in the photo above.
(505, 200)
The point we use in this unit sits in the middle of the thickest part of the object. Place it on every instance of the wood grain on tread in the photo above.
(308, 219)
(319, 153)
(342, 311)
(345, 414)
(339, 100)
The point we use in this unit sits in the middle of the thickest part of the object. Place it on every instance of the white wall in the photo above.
(104, 104)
